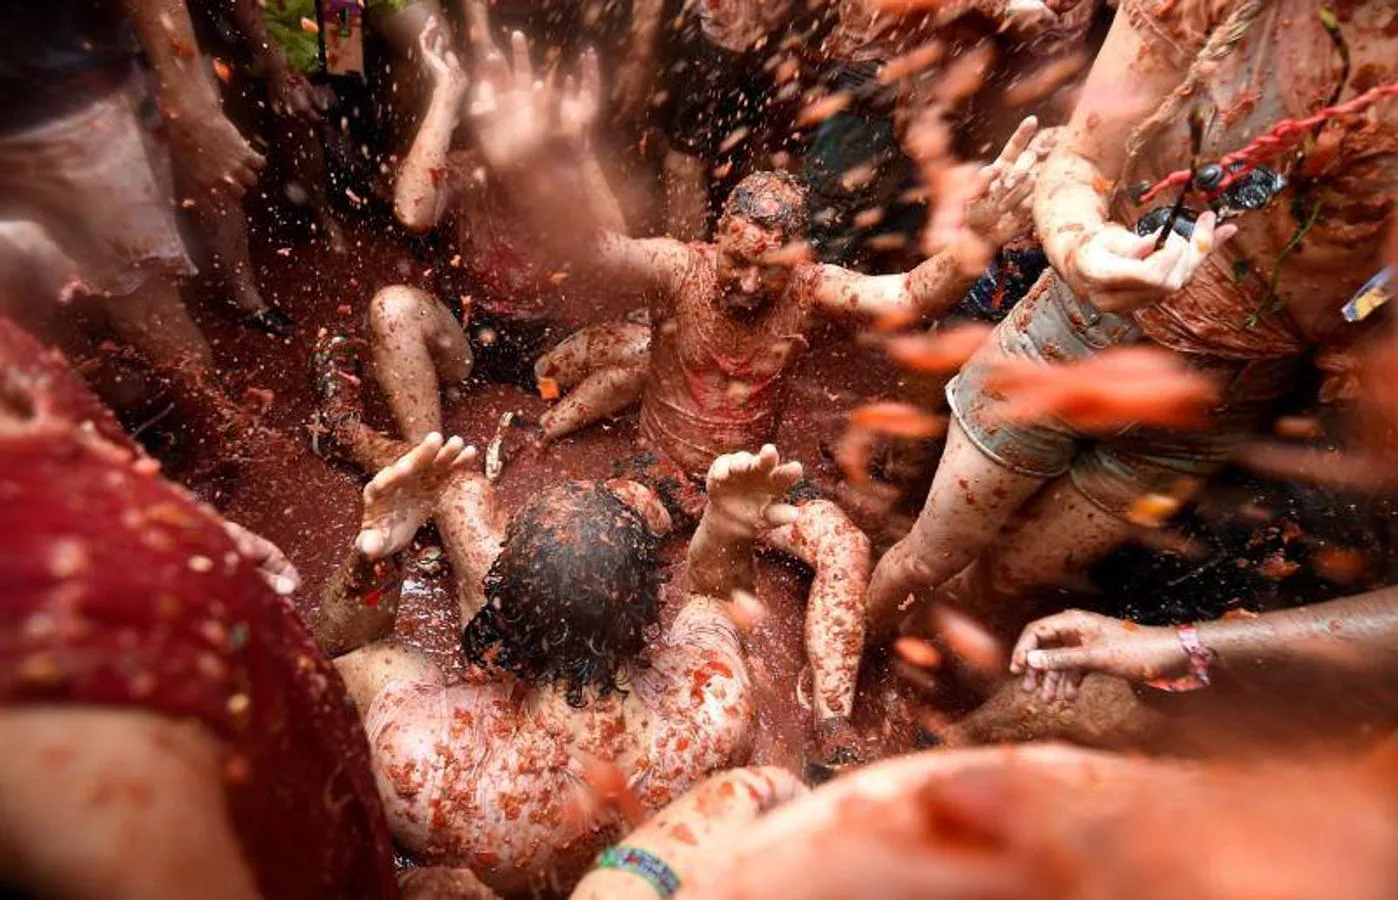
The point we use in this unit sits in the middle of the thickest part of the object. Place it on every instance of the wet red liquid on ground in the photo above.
(310, 507)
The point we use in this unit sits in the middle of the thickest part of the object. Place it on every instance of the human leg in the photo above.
(339, 427)
(623, 343)
(414, 341)
(224, 229)
(603, 393)
(604, 369)
(971, 498)
(1060, 534)
(301, 149)
(991, 467)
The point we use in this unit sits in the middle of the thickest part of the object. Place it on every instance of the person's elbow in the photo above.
(414, 211)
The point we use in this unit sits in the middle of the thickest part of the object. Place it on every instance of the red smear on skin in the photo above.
(706, 673)
(1117, 387)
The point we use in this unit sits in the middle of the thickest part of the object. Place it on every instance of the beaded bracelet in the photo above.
(643, 864)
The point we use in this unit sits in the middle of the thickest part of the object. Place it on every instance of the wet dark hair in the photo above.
(773, 200)
(573, 593)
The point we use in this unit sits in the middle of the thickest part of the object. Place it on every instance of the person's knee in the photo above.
(394, 308)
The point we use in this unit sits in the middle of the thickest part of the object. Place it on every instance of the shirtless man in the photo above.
(1246, 314)
(728, 321)
(486, 773)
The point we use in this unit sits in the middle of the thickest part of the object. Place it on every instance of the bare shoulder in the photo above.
(83, 786)
(702, 661)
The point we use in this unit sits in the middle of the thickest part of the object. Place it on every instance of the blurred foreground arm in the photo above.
(116, 804)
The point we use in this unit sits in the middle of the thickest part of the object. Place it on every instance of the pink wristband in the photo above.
(1199, 659)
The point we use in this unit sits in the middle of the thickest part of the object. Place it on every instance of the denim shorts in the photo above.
(1053, 325)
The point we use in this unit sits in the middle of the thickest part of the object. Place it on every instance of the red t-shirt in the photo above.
(118, 589)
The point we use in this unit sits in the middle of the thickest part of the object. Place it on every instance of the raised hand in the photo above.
(1002, 207)
(744, 489)
(1119, 270)
(1055, 653)
(581, 99)
(511, 109)
(401, 497)
(442, 63)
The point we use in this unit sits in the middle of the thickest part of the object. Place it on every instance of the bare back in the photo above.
(489, 774)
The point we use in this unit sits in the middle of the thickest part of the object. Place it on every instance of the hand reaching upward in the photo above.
(511, 109)
(441, 61)
(1002, 207)
(401, 497)
(744, 489)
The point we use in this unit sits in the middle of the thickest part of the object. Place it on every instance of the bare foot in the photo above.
(744, 489)
(400, 498)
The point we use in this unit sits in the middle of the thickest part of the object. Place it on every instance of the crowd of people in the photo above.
(1082, 286)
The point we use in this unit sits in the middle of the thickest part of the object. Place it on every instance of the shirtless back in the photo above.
(713, 385)
(492, 775)
(572, 715)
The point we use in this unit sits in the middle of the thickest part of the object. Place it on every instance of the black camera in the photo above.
(1252, 190)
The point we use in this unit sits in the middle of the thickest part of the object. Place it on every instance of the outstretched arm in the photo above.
(744, 489)
(361, 603)
(421, 195)
(1355, 633)
(999, 210)
(695, 832)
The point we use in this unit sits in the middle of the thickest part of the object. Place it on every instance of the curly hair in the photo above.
(773, 200)
(573, 593)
